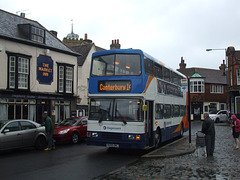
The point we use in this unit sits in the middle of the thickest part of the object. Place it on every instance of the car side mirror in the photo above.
(83, 124)
(6, 131)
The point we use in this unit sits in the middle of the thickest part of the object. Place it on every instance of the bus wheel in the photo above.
(157, 138)
(182, 130)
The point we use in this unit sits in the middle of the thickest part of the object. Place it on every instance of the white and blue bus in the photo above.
(135, 101)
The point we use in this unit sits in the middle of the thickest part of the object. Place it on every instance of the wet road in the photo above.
(66, 162)
(224, 165)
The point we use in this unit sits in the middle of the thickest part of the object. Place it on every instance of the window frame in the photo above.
(194, 86)
(15, 84)
(62, 81)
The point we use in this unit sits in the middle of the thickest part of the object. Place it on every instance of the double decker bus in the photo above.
(135, 101)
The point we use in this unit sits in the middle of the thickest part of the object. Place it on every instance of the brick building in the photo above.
(234, 80)
(208, 89)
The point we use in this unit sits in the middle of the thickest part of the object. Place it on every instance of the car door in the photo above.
(83, 125)
(11, 136)
(223, 116)
(28, 131)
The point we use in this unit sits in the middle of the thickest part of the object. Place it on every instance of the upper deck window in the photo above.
(116, 65)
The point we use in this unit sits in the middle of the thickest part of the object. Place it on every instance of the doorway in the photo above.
(149, 122)
(42, 105)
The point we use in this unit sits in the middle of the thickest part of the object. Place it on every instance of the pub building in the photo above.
(37, 73)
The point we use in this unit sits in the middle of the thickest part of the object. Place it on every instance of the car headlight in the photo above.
(64, 131)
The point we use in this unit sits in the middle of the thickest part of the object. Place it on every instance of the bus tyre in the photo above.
(157, 139)
(75, 138)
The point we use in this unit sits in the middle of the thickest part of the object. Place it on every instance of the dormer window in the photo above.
(37, 35)
(31, 32)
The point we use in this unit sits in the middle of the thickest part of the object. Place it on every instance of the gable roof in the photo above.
(211, 76)
(9, 29)
(84, 49)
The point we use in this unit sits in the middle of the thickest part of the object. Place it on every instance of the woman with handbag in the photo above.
(236, 130)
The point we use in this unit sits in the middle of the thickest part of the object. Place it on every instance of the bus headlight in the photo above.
(131, 137)
(94, 134)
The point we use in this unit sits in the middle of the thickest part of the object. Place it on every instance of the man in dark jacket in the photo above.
(209, 130)
(49, 128)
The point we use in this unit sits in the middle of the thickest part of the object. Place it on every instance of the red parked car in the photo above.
(71, 129)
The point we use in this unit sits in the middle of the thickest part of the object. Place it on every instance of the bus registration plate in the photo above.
(112, 145)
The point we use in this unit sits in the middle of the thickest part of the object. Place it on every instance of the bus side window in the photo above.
(158, 70)
(148, 64)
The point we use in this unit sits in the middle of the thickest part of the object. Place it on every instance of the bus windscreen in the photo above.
(115, 65)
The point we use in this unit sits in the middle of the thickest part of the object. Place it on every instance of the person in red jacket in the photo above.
(236, 130)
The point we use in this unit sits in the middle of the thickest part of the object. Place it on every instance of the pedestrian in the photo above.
(49, 129)
(209, 130)
(235, 130)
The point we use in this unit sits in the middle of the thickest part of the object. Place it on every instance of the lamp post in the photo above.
(221, 49)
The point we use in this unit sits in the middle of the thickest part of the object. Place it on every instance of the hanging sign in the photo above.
(44, 69)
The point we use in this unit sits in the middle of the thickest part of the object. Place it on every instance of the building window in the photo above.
(37, 34)
(32, 33)
(238, 76)
(218, 89)
(197, 86)
(65, 78)
(18, 72)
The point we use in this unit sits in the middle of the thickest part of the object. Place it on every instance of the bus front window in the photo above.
(115, 65)
(116, 110)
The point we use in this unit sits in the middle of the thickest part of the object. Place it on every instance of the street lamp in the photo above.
(221, 49)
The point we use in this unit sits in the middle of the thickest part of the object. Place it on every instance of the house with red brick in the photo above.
(208, 88)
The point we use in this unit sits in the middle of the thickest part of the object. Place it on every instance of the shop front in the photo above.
(31, 106)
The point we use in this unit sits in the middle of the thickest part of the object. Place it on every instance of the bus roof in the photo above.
(135, 51)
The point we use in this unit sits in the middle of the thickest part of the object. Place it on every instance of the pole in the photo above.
(189, 114)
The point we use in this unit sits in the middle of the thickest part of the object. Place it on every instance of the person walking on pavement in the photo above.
(49, 129)
(209, 130)
(235, 124)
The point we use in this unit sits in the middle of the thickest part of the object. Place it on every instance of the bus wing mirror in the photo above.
(144, 107)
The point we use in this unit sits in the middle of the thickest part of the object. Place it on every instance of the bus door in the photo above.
(149, 122)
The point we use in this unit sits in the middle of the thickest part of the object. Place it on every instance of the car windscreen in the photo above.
(2, 123)
(68, 122)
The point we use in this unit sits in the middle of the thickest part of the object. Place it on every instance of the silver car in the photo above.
(218, 116)
(21, 133)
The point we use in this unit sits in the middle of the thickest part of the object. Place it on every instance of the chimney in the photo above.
(85, 37)
(182, 65)
(223, 67)
(54, 33)
(22, 14)
(115, 44)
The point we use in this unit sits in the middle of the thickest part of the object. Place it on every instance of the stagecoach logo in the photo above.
(111, 128)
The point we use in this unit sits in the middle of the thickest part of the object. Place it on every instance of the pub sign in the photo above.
(44, 69)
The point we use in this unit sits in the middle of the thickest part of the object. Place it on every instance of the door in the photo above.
(11, 136)
(28, 131)
(42, 105)
(149, 122)
(197, 110)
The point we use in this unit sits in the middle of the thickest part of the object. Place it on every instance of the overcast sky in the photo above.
(165, 29)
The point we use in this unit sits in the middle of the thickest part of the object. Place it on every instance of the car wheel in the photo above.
(157, 138)
(217, 120)
(40, 143)
(75, 138)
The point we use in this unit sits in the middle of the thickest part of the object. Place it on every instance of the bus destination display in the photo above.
(114, 86)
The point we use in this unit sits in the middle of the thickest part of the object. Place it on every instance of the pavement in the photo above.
(177, 148)
(180, 159)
